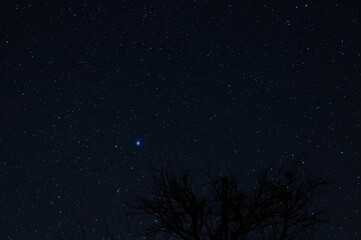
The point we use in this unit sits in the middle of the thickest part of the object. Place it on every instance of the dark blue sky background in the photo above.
(215, 86)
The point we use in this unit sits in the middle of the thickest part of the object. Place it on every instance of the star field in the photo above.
(97, 95)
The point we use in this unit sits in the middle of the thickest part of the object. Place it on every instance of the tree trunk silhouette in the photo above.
(224, 210)
(277, 208)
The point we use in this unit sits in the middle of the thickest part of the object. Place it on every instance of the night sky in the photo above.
(96, 95)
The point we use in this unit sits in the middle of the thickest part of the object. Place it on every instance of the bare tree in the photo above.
(277, 208)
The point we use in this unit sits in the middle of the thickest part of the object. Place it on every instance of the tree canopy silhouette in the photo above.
(279, 207)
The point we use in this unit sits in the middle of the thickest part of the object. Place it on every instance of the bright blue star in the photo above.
(138, 143)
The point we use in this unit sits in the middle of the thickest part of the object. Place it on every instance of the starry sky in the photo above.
(96, 95)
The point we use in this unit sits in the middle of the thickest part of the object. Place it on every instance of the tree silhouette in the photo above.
(277, 208)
